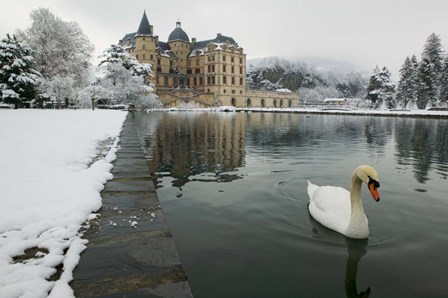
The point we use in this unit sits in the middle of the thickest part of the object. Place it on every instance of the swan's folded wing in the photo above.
(331, 207)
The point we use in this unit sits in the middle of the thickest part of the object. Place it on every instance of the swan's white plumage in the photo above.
(338, 209)
(330, 206)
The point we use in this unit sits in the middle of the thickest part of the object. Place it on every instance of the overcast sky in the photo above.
(366, 33)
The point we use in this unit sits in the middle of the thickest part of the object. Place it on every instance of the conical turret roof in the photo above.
(144, 28)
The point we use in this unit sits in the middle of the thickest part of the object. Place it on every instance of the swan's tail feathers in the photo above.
(311, 189)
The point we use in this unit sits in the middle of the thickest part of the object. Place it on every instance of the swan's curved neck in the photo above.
(358, 221)
(355, 195)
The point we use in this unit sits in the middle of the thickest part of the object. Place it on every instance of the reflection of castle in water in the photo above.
(186, 144)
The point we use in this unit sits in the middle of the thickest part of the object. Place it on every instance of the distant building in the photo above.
(335, 101)
(205, 73)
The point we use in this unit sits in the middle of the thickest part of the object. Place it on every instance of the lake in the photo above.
(233, 189)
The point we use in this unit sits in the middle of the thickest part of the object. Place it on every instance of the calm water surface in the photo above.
(233, 188)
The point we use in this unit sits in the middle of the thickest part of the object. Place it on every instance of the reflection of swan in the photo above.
(356, 249)
(340, 210)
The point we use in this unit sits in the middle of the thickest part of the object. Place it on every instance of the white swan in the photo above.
(340, 210)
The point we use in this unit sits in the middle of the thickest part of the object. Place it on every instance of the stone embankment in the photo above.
(131, 252)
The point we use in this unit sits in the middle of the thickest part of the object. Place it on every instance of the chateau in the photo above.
(205, 73)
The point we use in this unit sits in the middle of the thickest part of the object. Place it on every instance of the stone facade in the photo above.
(204, 73)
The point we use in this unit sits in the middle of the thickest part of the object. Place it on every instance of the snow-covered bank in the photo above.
(341, 110)
(48, 188)
(348, 111)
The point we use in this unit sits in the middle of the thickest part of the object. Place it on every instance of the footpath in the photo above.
(131, 252)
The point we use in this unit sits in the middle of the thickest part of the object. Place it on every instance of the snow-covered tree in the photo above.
(381, 89)
(408, 83)
(429, 72)
(18, 78)
(59, 89)
(94, 92)
(443, 99)
(316, 95)
(61, 48)
(125, 79)
(116, 55)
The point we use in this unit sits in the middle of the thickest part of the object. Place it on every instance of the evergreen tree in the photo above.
(408, 83)
(444, 83)
(18, 78)
(381, 89)
(121, 79)
(430, 71)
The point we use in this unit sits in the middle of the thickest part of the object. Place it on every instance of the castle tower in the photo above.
(179, 44)
(146, 43)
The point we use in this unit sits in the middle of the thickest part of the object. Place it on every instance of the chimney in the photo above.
(151, 29)
(193, 40)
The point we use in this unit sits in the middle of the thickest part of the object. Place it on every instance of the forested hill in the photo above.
(314, 81)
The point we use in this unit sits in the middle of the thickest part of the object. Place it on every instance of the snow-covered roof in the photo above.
(283, 90)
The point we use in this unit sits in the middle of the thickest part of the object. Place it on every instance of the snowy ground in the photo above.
(51, 174)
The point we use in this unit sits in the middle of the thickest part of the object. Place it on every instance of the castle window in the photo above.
(224, 58)
(233, 69)
(224, 68)
(136, 56)
(241, 81)
(224, 80)
(241, 91)
(233, 81)
(158, 61)
(144, 57)
(224, 90)
(233, 91)
(213, 68)
(197, 70)
(143, 46)
(241, 70)
(152, 57)
(232, 60)
(195, 81)
(200, 81)
(241, 60)
(197, 62)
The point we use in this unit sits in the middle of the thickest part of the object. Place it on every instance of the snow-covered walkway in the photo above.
(48, 187)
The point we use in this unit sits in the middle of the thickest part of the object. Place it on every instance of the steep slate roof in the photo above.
(178, 34)
(219, 39)
(144, 28)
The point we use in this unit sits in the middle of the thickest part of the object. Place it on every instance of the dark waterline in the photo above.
(233, 188)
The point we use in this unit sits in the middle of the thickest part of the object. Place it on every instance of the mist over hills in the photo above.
(313, 78)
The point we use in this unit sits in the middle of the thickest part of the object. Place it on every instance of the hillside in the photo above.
(314, 79)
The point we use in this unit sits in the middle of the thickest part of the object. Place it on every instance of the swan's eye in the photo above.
(375, 183)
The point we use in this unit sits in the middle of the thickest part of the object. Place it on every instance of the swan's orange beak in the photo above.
(373, 190)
